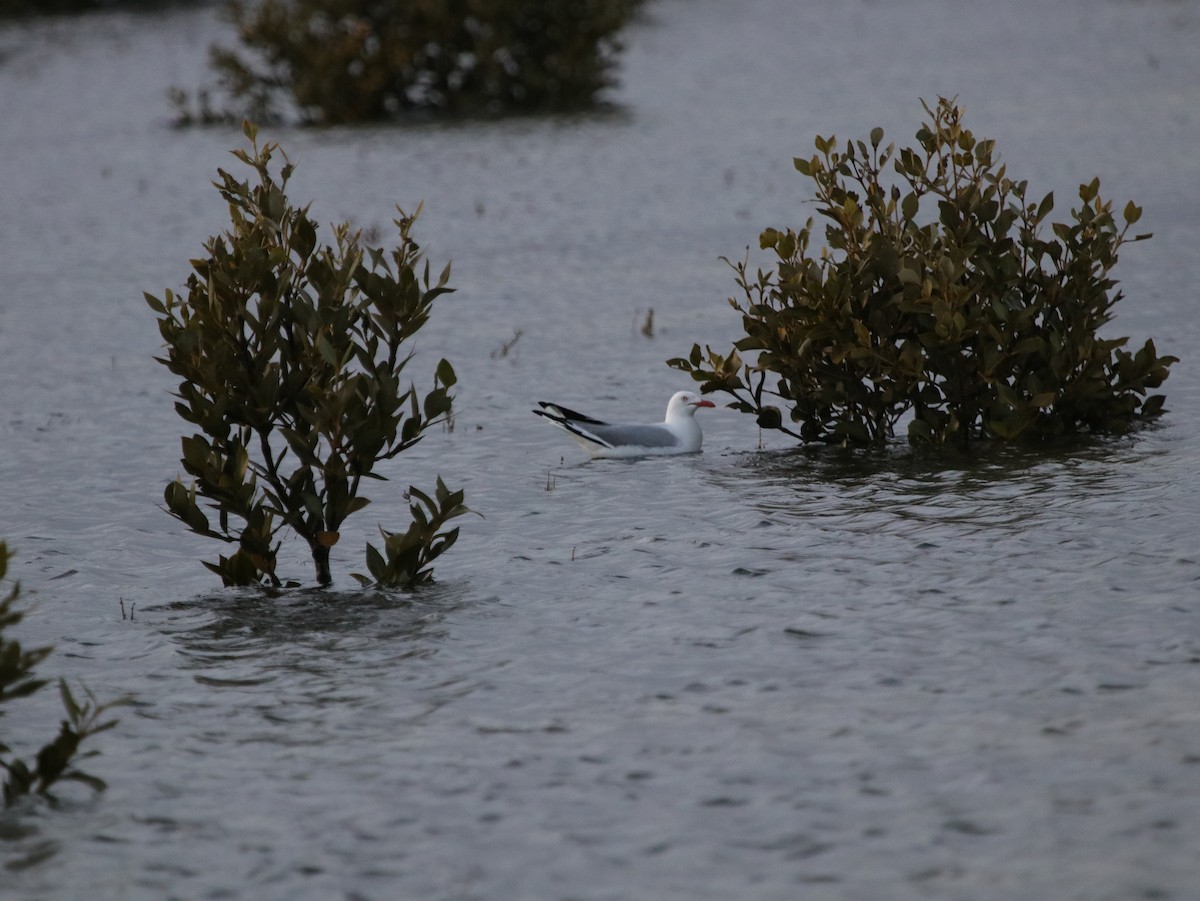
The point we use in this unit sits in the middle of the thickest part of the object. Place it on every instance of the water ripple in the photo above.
(770, 674)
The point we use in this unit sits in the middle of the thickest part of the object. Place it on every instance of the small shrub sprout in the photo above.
(55, 762)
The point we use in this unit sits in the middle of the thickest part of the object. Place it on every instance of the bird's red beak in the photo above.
(705, 403)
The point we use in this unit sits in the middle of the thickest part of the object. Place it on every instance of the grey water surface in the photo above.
(760, 672)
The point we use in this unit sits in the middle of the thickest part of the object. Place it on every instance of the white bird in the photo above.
(679, 433)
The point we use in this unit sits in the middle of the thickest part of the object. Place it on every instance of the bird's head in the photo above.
(685, 403)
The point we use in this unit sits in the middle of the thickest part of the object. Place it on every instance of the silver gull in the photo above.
(679, 433)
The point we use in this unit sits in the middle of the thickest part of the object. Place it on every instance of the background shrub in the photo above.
(354, 60)
(290, 357)
(16, 8)
(939, 297)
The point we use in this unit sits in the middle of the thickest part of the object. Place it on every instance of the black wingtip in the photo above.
(561, 417)
(559, 413)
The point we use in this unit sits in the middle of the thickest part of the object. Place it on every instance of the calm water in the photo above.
(767, 674)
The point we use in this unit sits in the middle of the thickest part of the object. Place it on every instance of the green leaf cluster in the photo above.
(355, 60)
(55, 761)
(291, 357)
(406, 557)
(944, 296)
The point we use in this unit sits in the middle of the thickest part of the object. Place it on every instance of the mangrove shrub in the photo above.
(290, 356)
(355, 60)
(944, 297)
(18, 679)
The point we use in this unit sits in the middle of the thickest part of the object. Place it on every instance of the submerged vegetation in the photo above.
(338, 61)
(940, 300)
(290, 356)
(18, 679)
